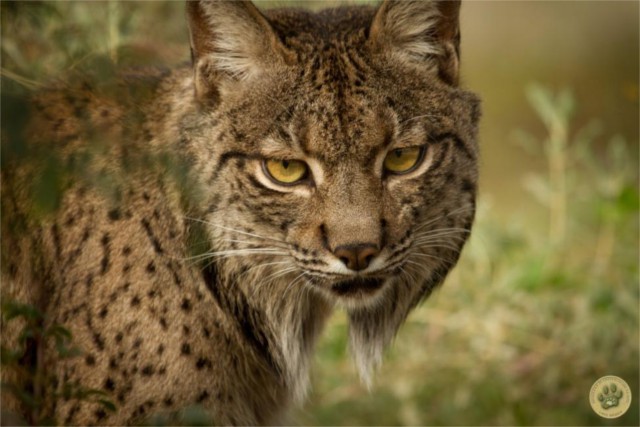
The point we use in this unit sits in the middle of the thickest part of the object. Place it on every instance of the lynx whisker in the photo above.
(271, 279)
(463, 209)
(445, 237)
(421, 255)
(279, 274)
(429, 246)
(453, 230)
(419, 117)
(223, 227)
(264, 265)
(290, 286)
(236, 252)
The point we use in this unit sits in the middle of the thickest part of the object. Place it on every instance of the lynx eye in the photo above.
(285, 172)
(403, 160)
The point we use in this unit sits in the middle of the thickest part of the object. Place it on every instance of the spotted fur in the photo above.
(228, 319)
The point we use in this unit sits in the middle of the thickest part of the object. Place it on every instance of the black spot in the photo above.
(113, 364)
(151, 293)
(103, 312)
(467, 186)
(185, 349)
(135, 301)
(90, 360)
(163, 323)
(100, 414)
(202, 363)
(160, 349)
(186, 305)
(56, 240)
(13, 270)
(141, 410)
(137, 343)
(104, 263)
(89, 281)
(154, 240)
(126, 250)
(119, 337)
(99, 341)
(151, 267)
(206, 332)
(415, 212)
(203, 396)
(114, 214)
(186, 330)
(168, 401)
(176, 278)
(147, 370)
(109, 385)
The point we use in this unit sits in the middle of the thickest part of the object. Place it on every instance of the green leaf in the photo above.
(12, 309)
(65, 352)
(26, 334)
(58, 331)
(109, 405)
(22, 395)
(9, 357)
(84, 393)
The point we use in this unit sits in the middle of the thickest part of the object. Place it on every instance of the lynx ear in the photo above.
(230, 39)
(420, 32)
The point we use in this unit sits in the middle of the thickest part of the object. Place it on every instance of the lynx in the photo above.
(328, 161)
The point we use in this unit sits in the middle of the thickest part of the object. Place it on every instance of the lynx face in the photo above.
(338, 158)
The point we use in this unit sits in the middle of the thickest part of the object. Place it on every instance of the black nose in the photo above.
(356, 257)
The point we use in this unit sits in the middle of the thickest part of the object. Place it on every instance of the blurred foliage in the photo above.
(26, 357)
(545, 298)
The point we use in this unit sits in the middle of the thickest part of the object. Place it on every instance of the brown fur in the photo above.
(234, 333)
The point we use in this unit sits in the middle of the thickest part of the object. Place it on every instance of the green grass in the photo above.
(545, 298)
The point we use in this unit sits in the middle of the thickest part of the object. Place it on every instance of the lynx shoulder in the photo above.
(208, 220)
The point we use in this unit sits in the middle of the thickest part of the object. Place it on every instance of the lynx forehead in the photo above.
(330, 161)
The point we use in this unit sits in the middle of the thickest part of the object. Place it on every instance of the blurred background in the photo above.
(545, 299)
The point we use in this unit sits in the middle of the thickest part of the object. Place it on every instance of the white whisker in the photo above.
(237, 231)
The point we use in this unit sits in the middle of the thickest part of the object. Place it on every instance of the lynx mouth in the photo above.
(357, 286)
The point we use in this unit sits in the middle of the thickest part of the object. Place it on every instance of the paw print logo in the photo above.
(610, 396)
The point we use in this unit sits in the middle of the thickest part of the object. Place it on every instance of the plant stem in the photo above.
(114, 36)
(557, 158)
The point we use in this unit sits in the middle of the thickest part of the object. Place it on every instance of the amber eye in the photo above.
(285, 172)
(403, 160)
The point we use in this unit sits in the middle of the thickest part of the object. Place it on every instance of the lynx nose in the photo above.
(356, 257)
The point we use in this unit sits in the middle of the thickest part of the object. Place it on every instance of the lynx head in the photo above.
(337, 154)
